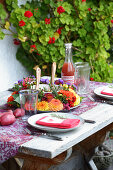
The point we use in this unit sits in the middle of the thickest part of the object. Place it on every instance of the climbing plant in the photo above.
(43, 27)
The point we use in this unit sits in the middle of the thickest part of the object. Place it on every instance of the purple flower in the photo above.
(69, 84)
(33, 76)
(74, 86)
(46, 81)
(20, 81)
(42, 81)
(61, 81)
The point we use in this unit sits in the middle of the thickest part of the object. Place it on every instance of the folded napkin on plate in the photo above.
(57, 122)
(107, 91)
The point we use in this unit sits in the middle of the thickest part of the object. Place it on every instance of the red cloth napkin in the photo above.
(57, 122)
(107, 91)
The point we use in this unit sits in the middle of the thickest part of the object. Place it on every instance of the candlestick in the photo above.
(38, 75)
(53, 72)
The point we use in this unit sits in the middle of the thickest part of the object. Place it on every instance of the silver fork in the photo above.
(91, 98)
(44, 134)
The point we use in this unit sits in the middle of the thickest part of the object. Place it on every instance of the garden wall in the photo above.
(10, 69)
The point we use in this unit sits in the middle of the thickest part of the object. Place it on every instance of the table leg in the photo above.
(38, 163)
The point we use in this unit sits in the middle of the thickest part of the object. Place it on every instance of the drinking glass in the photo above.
(82, 75)
(28, 100)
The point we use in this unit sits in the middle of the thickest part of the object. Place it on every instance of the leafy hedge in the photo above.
(48, 24)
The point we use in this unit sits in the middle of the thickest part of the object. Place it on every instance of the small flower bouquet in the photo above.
(60, 96)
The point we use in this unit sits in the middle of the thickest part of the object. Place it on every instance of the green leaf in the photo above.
(34, 38)
(2, 35)
(17, 99)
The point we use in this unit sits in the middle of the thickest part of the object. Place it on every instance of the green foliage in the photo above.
(87, 29)
(2, 14)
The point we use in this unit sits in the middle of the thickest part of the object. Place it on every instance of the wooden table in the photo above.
(38, 151)
(41, 153)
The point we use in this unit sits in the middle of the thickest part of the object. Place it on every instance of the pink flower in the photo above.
(112, 21)
(60, 10)
(47, 21)
(26, 80)
(89, 9)
(21, 23)
(28, 14)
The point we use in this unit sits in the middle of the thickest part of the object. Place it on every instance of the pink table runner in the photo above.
(11, 137)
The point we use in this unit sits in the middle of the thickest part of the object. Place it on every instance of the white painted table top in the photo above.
(43, 147)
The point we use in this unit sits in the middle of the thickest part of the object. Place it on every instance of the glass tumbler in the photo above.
(82, 75)
(28, 101)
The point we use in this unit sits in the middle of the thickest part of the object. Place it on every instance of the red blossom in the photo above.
(59, 30)
(71, 104)
(91, 78)
(16, 42)
(21, 23)
(33, 46)
(112, 21)
(60, 10)
(10, 99)
(74, 99)
(89, 9)
(36, 9)
(47, 21)
(48, 96)
(15, 92)
(38, 54)
(51, 40)
(83, 0)
(28, 14)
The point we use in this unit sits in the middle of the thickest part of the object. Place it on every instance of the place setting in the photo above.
(102, 94)
(53, 125)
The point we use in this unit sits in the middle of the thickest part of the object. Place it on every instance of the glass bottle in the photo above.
(68, 70)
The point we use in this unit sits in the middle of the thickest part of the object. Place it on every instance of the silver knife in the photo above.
(107, 102)
(50, 136)
(89, 121)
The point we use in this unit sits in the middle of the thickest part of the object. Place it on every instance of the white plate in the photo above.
(98, 90)
(32, 121)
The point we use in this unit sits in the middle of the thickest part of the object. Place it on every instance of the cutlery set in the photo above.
(44, 134)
